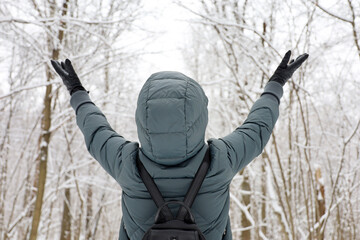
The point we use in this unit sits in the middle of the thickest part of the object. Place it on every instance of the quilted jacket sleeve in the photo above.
(102, 142)
(249, 140)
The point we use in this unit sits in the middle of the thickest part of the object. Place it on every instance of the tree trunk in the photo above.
(245, 186)
(44, 139)
(263, 202)
(320, 198)
(89, 213)
(66, 217)
(42, 158)
(4, 169)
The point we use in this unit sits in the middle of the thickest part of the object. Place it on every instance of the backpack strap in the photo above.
(153, 190)
(195, 185)
(190, 195)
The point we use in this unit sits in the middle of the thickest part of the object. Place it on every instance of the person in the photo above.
(171, 119)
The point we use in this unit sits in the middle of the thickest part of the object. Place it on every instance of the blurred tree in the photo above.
(88, 32)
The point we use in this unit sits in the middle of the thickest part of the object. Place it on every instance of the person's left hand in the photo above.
(285, 70)
(68, 75)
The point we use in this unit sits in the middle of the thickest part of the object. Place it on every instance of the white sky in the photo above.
(171, 21)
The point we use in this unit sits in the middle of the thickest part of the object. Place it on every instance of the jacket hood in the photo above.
(171, 117)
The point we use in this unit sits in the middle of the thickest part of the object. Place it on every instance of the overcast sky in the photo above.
(170, 21)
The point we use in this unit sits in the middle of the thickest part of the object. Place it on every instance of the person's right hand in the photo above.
(284, 71)
(68, 75)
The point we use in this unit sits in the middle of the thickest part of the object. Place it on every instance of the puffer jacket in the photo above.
(171, 118)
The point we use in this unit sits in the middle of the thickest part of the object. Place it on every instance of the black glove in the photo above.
(284, 71)
(68, 75)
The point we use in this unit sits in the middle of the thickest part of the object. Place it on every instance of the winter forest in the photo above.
(305, 184)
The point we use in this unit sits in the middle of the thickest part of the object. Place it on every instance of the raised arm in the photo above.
(103, 143)
(249, 140)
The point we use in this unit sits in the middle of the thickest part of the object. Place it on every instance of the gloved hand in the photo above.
(284, 71)
(68, 75)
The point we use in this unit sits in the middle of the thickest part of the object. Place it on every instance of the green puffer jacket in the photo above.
(171, 118)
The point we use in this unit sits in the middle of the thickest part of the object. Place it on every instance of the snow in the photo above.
(231, 58)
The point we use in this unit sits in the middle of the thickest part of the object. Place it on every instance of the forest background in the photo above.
(305, 185)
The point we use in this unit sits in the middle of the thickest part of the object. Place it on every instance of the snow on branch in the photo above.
(20, 89)
(230, 24)
(63, 19)
(331, 13)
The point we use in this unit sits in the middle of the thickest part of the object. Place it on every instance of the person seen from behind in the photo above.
(171, 119)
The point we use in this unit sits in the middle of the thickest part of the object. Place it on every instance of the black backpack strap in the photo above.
(195, 185)
(190, 195)
(153, 190)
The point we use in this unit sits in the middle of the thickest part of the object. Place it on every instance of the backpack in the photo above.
(183, 226)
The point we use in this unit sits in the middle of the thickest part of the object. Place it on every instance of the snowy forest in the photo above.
(305, 184)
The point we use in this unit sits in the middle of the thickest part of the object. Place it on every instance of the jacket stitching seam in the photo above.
(146, 121)
(92, 114)
(162, 78)
(186, 134)
(198, 119)
(123, 158)
(227, 152)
